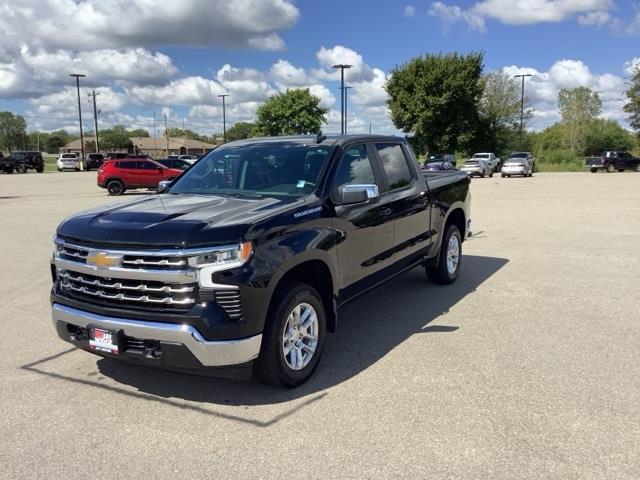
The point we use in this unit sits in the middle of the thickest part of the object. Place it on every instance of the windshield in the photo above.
(436, 158)
(519, 155)
(18, 155)
(272, 169)
(481, 155)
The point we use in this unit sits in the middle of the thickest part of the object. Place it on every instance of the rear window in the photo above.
(395, 165)
(69, 155)
(128, 165)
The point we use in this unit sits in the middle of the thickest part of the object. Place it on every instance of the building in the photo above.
(156, 147)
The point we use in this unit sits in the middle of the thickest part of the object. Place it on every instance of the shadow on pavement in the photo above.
(379, 321)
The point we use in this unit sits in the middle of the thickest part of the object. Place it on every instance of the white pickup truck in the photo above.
(490, 158)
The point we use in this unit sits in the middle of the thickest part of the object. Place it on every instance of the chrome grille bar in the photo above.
(119, 285)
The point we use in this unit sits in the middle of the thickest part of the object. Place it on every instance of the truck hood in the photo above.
(171, 220)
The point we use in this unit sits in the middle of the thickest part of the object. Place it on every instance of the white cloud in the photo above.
(93, 24)
(632, 66)
(409, 11)
(327, 57)
(525, 12)
(183, 91)
(287, 76)
(543, 87)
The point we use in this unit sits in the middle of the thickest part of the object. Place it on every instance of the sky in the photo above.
(175, 57)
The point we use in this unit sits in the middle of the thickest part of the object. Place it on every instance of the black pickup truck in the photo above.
(612, 160)
(22, 161)
(242, 263)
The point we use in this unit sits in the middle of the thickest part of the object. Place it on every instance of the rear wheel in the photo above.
(594, 170)
(637, 168)
(115, 187)
(40, 169)
(8, 170)
(610, 168)
(450, 258)
(293, 338)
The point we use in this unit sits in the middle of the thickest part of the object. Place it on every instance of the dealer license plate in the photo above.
(103, 340)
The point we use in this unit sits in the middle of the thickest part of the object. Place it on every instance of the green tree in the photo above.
(56, 140)
(290, 113)
(604, 134)
(115, 138)
(578, 107)
(436, 97)
(13, 131)
(37, 141)
(139, 132)
(632, 107)
(499, 111)
(240, 131)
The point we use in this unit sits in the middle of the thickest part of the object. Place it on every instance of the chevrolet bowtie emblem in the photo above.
(103, 259)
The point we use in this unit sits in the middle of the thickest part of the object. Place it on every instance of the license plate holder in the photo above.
(105, 340)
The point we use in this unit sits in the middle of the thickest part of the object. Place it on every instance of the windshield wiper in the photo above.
(254, 196)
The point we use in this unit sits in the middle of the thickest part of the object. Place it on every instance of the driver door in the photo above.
(366, 228)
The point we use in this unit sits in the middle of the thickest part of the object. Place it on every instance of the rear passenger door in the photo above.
(127, 170)
(147, 173)
(409, 202)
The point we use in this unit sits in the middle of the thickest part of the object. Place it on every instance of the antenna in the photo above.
(320, 137)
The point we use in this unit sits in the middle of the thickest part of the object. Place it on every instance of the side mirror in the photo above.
(163, 185)
(358, 193)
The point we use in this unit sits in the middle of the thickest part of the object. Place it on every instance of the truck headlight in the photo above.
(223, 258)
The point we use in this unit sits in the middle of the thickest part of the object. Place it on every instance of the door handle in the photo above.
(385, 212)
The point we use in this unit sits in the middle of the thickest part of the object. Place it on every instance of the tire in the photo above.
(503, 175)
(274, 365)
(77, 169)
(491, 174)
(8, 170)
(610, 168)
(621, 170)
(446, 272)
(22, 168)
(637, 169)
(482, 174)
(594, 170)
(115, 187)
(40, 169)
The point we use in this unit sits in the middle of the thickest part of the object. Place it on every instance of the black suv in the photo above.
(93, 161)
(22, 161)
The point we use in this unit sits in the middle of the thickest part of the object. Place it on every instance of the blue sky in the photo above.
(167, 60)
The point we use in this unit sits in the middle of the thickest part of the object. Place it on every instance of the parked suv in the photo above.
(117, 176)
(245, 260)
(93, 161)
(612, 160)
(22, 161)
(68, 161)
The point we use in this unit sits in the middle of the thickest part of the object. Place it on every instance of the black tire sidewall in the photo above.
(271, 351)
(112, 183)
(451, 230)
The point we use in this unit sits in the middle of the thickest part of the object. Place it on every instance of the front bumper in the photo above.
(69, 321)
(474, 171)
(514, 170)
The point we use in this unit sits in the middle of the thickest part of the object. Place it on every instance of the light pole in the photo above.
(523, 76)
(224, 117)
(78, 75)
(93, 96)
(342, 67)
(346, 115)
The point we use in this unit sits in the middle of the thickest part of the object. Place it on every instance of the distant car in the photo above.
(68, 161)
(612, 160)
(22, 161)
(93, 161)
(174, 163)
(441, 157)
(488, 157)
(189, 158)
(438, 166)
(117, 176)
(116, 155)
(518, 163)
(477, 167)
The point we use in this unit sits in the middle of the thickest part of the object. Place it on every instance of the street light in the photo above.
(224, 117)
(522, 75)
(78, 75)
(346, 115)
(342, 67)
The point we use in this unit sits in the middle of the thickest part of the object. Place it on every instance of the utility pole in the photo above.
(166, 132)
(523, 76)
(346, 116)
(77, 76)
(155, 134)
(369, 128)
(93, 96)
(342, 67)
(224, 117)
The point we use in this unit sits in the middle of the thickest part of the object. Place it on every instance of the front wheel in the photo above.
(22, 168)
(115, 187)
(637, 168)
(594, 170)
(610, 168)
(491, 174)
(450, 258)
(293, 338)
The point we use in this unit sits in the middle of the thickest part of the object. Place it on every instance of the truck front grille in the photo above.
(126, 292)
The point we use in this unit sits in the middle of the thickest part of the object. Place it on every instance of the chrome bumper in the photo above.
(208, 353)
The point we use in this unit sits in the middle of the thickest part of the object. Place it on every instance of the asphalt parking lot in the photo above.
(527, 367)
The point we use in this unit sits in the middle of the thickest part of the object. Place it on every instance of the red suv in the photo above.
(129, 173)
